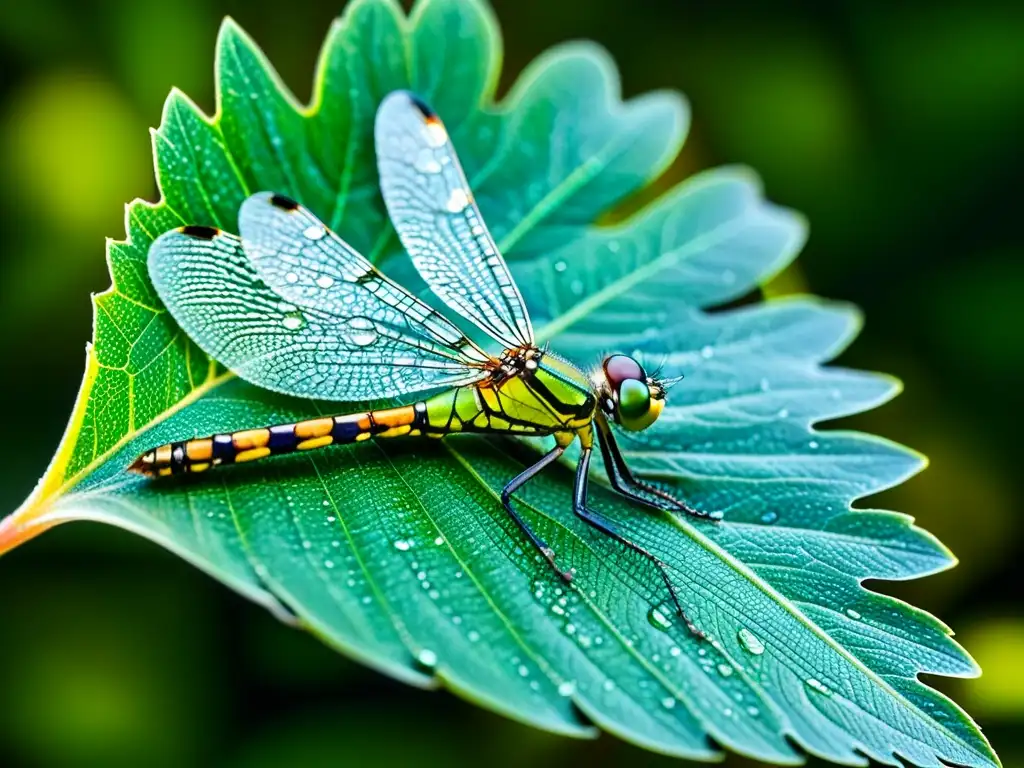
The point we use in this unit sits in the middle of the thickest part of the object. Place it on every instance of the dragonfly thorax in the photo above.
(515, 362)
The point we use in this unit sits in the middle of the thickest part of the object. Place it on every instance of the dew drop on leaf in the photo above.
(427, 658)
(816, 685)
(750, 642)
(658, 619)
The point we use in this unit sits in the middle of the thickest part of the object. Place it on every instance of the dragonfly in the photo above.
(289, 306)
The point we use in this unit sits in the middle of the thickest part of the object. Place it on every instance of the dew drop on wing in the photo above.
(363, 331)
(426, 162)
(293, 321)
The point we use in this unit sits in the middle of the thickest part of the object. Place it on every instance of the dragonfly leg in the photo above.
(518, 482)
(624, 481)
(606, 526)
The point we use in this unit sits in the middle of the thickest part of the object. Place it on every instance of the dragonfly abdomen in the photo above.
(201, 453)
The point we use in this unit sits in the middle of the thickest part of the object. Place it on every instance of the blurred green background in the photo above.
(895, 129)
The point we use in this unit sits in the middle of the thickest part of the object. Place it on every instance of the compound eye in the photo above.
(620, 368)
(634, 399)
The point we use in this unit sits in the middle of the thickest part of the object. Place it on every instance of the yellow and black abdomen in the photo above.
(201, 453)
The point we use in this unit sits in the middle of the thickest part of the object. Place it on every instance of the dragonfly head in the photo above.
(633, 399)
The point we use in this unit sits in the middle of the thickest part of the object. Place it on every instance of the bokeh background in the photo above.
(895, 127)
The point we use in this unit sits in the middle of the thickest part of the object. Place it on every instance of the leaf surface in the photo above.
(399, 553)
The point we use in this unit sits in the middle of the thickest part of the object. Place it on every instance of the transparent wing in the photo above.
(214, 292)
(432, 208)
(303, 261)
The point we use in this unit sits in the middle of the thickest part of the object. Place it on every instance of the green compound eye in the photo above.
(634, 399)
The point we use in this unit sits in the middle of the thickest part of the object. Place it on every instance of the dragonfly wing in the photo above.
(303, 261)
(211, 288)
(432, 208)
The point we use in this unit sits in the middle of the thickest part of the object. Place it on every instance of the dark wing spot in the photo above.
(203, 233)
(422, 106)
(284, 203)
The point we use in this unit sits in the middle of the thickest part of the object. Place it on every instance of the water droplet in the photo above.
(608, 685)
(293, 321)
(314, 232)
(614, 246)
(402, 546)
(724, 670)
(328, 564)
(765, 386)
(813, 444)
(783, 413)
(750, 642)
(325, 281)
(439, 540)
(426, 162)
(291, 277)
(473, 636)
(658, 619)
(457, 201)
(674, 651)
(707, 351)
(576, 286)
(524, 670)
(852, 614)
(727, 711)
(753, 711)
(668, 702)
(363, 330)
(307, 545)
(769, 517)
(561, 266)
(817, 685)
(427, 658)
(567, 689)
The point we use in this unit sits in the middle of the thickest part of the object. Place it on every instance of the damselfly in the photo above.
(291, 307)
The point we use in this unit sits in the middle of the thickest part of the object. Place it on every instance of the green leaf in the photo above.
(399, 554)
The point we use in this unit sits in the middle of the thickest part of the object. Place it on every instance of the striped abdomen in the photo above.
(554, 399)
(201, 453)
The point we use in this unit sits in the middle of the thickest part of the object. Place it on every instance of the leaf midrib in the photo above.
(748, 574)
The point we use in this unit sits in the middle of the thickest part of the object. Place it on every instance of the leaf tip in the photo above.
(24, 524)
